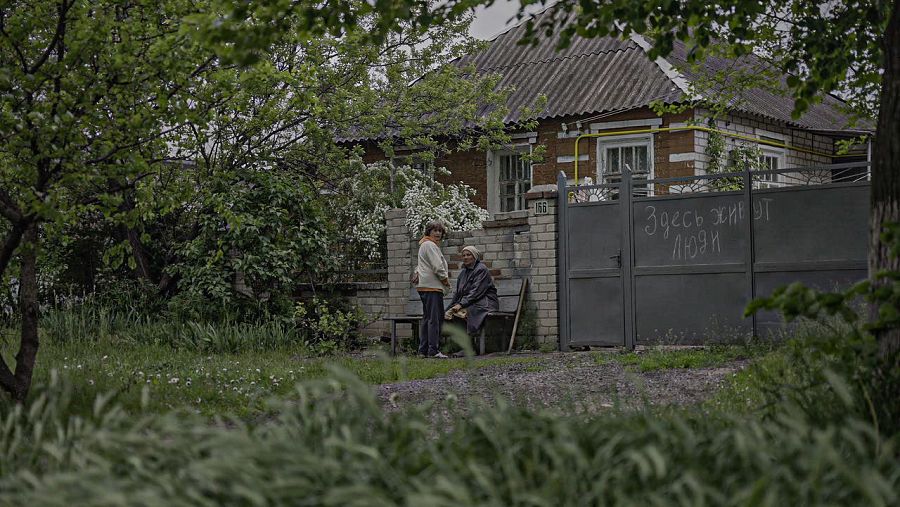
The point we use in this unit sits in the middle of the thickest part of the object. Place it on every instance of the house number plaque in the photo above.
(541, 207)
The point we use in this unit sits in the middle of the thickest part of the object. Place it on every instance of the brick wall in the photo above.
(515, 245)
(370, 297)
(675, 153)
(758, 126)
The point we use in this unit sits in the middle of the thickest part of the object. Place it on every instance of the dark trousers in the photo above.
(432, 318)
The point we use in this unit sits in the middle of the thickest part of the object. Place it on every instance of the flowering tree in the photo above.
(451, 204)
(382, 186)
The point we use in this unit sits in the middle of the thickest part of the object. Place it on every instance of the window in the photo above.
(770, 160)
(621, 152)
(418, 161)
(513, 180)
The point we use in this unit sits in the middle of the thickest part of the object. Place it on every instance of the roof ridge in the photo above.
(558, 59)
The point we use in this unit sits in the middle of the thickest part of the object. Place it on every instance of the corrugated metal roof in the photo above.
(505, 51)
(588, 83)
(590, 75)
(775, 103)
(606, 74)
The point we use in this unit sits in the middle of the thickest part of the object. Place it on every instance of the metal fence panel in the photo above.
(597, 311)
(824, 280)
(691, 308)
(682, 268)
(705, 229)
(815, 223)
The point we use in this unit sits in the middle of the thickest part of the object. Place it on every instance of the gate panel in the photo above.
(807, 224)
(591, 281)
(595, 235)
(700, 229)
(690, 275)
(693, 308)
(597, 304)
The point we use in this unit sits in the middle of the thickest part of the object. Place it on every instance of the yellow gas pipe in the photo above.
(692, 127)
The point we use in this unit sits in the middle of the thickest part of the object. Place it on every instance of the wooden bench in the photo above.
(510, 293)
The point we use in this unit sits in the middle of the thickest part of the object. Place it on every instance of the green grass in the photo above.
(334, 445)
(666, 358)
(214, 383)
(749, 390)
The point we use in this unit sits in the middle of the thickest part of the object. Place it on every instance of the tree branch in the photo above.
(60, 29)
(8, 207)
(12, 242)
(12, 43)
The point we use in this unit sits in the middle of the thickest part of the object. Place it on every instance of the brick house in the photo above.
(606, 85)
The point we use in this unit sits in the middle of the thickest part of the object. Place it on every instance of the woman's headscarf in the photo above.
(474, 251)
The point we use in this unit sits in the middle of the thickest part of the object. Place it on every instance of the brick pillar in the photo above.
(399, 261)
(544, 288)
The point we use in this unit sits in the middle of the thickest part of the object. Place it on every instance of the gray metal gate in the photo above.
(678, 259)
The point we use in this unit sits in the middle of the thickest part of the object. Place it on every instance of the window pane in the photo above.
(612, 160)
(514, 180)
(628, 158)
(640, 162)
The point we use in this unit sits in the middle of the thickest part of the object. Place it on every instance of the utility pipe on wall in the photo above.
(694, 127)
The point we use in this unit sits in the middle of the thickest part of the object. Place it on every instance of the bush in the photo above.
(333, 445)
(840, 367)
(330, 325)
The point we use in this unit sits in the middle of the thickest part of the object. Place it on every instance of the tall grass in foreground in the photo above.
(335, 446)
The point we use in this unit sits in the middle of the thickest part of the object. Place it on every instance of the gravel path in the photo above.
(570, 381)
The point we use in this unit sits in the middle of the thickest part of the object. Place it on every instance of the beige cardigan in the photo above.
(431, 268)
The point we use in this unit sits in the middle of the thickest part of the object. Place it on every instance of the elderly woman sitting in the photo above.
(475, 294)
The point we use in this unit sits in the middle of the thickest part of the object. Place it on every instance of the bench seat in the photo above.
(510, 293)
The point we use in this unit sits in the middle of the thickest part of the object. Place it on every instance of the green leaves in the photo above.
(332, 432)
(882, 290)
(837, 49)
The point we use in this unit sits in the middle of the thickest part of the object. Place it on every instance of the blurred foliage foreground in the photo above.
(793, 429)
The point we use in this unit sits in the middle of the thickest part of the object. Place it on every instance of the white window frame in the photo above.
(780, 157)
(493, 172)
(408, 158)
(603, 143)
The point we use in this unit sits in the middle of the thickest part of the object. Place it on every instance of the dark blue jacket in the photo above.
(475, 291)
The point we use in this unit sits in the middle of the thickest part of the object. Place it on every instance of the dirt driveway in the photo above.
(569, 381)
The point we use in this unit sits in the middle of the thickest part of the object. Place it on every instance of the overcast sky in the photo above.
(496, 18)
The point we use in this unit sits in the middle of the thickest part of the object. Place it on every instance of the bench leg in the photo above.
(481, 342)
(393, 337)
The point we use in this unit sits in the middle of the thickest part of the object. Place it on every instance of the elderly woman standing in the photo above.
(432, 282)
(475, 292)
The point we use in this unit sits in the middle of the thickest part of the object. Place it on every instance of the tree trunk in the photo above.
(28, 306)
(141, 259)
(885, 206)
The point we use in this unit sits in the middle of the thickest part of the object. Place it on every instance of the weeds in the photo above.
(664, 358)
(214, 383)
